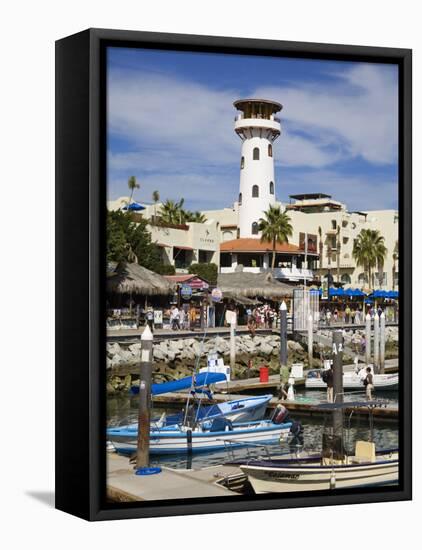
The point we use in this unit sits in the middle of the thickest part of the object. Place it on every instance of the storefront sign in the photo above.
(158, 317)
(185, 292)
(216, 295)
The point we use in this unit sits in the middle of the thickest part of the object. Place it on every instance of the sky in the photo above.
(170, 123)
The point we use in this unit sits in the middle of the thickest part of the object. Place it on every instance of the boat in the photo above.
(246, 409)
(363, 469)
(353, 381)
(332, 469)
(218, 434)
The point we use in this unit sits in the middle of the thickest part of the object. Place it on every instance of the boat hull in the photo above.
(314, 477)
(382, 382)
(173, 441)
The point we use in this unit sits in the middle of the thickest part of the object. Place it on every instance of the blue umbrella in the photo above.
(336, 292)
(358, 292)
(134, 207)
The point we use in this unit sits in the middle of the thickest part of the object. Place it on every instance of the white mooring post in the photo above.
(368, 339)
(144, 412)
(382, 343)
(310, 340)
(376, 343)
(232, 346)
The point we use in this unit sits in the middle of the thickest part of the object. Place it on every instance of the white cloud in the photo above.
(179, 136)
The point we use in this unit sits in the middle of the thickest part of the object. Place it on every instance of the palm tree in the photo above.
(369, 251)
(172, 212)
(321, 248)
(395, 258)
(196, 217)
(132, 184)
(155, 198)
(275, 228)
(338, 246)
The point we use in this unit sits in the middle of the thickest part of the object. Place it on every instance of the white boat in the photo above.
(364, 469)
(354, 381)
(209, 436)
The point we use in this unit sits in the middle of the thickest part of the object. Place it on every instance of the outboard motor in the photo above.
(281, 414)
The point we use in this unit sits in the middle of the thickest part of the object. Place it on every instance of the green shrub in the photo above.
(208, 272)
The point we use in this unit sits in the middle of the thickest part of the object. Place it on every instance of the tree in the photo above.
(395, 258)
(196, 216)
(369, 251)
(275, 228)
(132, 184)
(338, 247)
(155, 198)
(171, 211)
(321, 248)
(209, 272)
(129, 241)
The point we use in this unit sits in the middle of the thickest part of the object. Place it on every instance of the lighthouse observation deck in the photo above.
(257, 114)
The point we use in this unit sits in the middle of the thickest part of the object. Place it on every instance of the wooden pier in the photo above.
(123, 485)
(297, 407)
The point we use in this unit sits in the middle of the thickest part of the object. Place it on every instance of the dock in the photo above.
(123, 485)
(297, 407)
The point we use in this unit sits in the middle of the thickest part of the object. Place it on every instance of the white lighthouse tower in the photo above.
(258, 128)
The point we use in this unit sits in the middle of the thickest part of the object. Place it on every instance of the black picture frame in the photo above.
(80, 269)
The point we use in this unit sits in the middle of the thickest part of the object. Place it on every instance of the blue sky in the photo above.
(171, 116)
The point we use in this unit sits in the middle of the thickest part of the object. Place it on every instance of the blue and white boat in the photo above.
(215, 435)
(246, 409)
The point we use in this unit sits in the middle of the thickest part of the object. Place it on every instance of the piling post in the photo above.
(376, 343)
(144, 411)
(368, 339)
(382, 343)
(310, 340)
(337, 354)
(232, 346)
(283, 334)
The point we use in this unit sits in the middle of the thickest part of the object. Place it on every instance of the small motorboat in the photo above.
(353, 381)
(365, 468)
(215, 435)
(333, 468)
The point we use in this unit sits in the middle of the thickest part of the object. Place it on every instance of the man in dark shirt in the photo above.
(329, 380)
(369, 383)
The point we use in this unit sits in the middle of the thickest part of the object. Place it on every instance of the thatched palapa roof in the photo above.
(133, 278)
(252, 285)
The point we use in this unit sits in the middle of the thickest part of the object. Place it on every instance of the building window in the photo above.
(256, 153)
(333, 224)
(255, 228)
(362, 279)
(242, 163)
(240, 199)
(271, 188)
(270, 150)
(255, 191)
(346, 279)
(382, 278)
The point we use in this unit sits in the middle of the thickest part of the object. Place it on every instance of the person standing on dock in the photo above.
(328, 378)
(369, 383)
(284, 382)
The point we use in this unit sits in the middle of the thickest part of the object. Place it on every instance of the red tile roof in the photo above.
(255, 245)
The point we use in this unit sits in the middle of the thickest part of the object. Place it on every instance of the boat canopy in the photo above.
(200, 380)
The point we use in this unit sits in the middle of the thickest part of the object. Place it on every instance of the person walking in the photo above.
(150, 318)
(369, 383)
(328, 378)
(175, 318)
(328, 317)
(347, 312)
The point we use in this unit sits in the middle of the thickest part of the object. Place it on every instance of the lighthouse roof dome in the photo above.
(246, 104)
